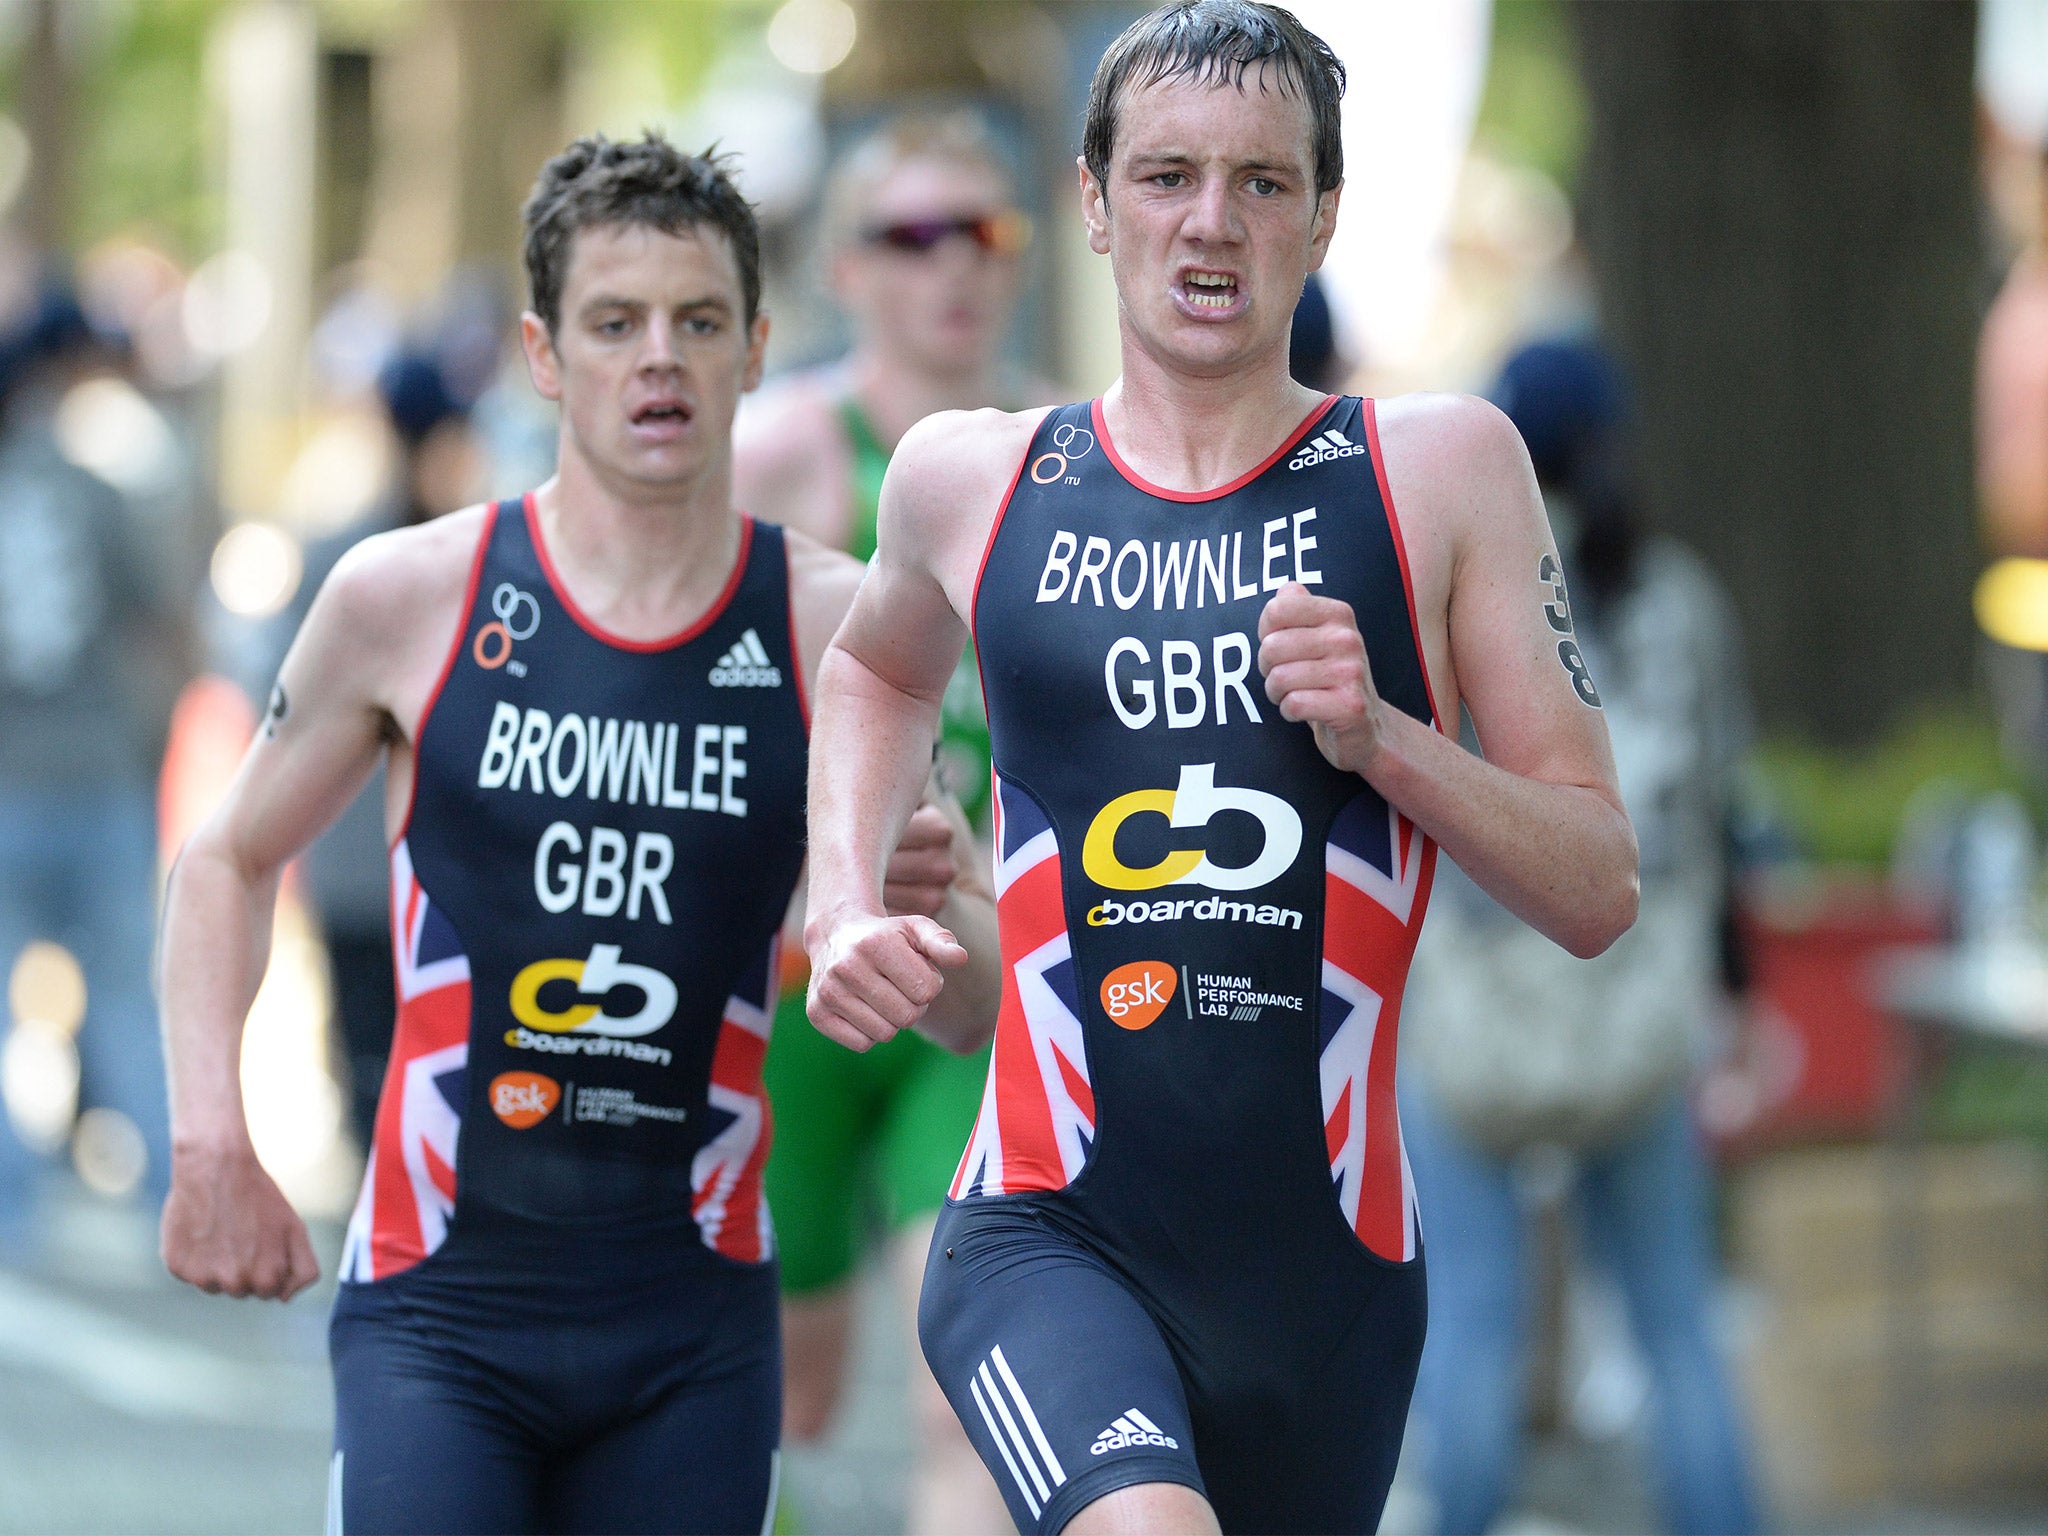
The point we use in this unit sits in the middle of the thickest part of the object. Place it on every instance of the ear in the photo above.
(542, 365)
(1323, 226)
(1094, 208)
(757, 354)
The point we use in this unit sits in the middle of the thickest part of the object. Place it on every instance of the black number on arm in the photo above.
(1582, 680)
(1558, 613)
(280, 706)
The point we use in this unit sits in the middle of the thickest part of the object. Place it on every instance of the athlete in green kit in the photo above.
(922, 241)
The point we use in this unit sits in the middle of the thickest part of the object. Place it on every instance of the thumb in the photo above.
(936, 943)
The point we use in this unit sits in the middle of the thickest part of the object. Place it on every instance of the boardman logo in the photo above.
(746, 665)
(1323, 448)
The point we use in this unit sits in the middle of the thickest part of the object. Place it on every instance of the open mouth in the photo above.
(1208, 290)
(660, 412)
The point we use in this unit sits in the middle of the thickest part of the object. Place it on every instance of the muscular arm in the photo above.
(1538, 823)
(928, 863)
(362, 650)
(879, 690)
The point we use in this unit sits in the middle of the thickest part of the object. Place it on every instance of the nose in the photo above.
(1212, 218)
(658, 349)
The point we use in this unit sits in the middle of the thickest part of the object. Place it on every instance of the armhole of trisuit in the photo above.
(1379, 469)
(419, 731)
(995, 527)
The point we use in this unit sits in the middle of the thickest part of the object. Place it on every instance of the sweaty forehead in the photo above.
(1260, 120)
(642, 262)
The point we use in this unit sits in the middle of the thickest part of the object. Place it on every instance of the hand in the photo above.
(874, 976)
(1314, 663)
(228, 1229)
(922, 869)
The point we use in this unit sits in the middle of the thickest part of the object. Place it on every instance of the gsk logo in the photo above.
(600, 977)
(1133, 995)
(1194, 803)
(1324, 447)
(523, 1099)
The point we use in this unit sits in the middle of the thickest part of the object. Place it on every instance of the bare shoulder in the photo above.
(822, 581)
(962, 452)
(391, 582)
(778, 426)
(1445, 443)
(821, 578)
(388, 612)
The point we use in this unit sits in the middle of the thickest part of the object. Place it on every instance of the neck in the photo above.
(1194, 432)
(643, 562)
(895, 395)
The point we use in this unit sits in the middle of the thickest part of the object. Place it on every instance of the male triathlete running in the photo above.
(558, 1306)
(922, 240)
(1179, 1281)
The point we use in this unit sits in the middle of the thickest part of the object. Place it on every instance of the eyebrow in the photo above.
(604, 301)
(1186, 157)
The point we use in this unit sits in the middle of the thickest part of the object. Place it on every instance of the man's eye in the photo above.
(702, 325)
(1264, 186)
(1171, 178)
(612, 327)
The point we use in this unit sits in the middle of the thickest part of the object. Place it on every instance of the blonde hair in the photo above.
(960, 137)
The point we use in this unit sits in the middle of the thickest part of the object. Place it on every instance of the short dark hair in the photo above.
(1219, 42)
(597, 182)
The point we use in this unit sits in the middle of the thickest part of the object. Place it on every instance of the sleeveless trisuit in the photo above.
(558, 1297)
(1182, 1244)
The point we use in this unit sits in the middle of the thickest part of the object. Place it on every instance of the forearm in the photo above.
(870, 755)
(1562, 857)
(215, 949)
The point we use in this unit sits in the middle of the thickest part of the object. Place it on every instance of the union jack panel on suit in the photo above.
(1037, 1121)
(1377, 870)
(408, 1191)
(725, 1175)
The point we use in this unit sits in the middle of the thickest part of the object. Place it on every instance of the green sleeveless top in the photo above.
(963, 719)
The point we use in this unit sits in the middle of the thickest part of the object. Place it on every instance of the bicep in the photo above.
(1515, 650)
(322, 735)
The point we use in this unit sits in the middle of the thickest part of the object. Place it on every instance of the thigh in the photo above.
(421, 1444)
(925, 1126)
(1314, 1451)
(701, 1458)
(1061, 1378)
(819, 1094)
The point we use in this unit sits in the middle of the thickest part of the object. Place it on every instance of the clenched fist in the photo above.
(1314, 663)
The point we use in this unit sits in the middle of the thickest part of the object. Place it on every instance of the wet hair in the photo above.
(957, 138)
(597, 183)
(1219, 42)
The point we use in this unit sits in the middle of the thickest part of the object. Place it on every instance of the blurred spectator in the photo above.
(923, 242)
(1518, 1053)
(1313, 356)
(80, 605)
(436, 469)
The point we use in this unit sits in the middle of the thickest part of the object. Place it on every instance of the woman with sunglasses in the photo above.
(922, 242)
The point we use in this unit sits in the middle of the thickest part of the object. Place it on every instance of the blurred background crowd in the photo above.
(1744, 1226)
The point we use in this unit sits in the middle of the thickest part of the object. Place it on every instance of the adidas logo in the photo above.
(1131, 1428)
(1323, 447)
(746, 665)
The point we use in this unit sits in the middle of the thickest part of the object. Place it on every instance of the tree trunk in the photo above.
(1781, 209)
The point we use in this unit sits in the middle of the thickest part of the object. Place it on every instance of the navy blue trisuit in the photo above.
(1182, 1244)
(558, 1299)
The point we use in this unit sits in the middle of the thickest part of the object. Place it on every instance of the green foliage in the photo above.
(1845, 808)
(139, 124)
(1984, 1093)
(1533, 111)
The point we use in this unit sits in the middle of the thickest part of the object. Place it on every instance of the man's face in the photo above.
(1210, 219)
(651, 352)
(931, 275)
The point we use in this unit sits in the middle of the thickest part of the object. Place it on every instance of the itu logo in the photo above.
(1323, 448)
(518, 616)
(1069, 443)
